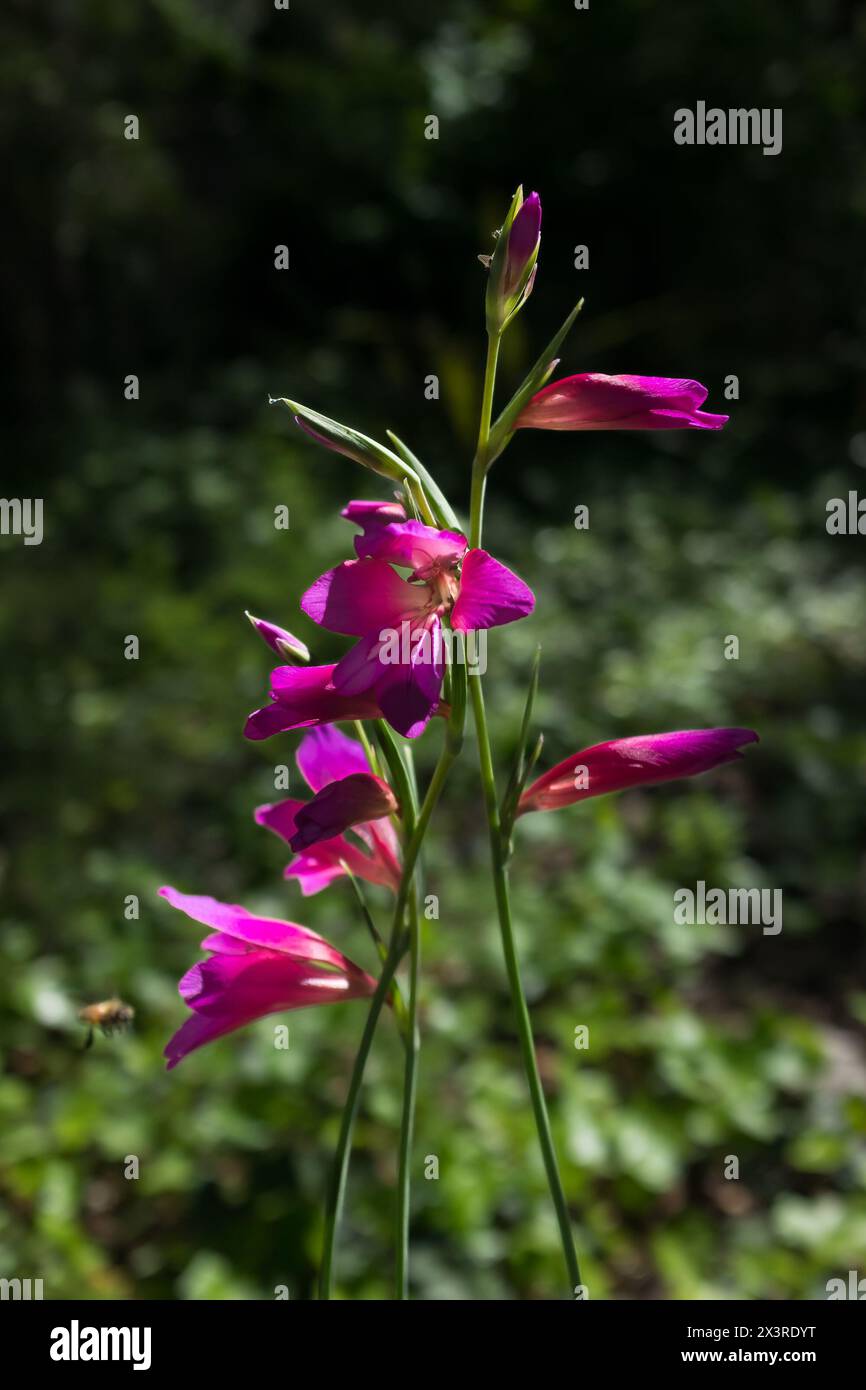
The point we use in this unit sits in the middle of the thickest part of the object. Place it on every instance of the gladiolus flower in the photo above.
(592, 401)
(256, 966)
(633, 762)
(279, 640)
(399, 659)
(328, 759)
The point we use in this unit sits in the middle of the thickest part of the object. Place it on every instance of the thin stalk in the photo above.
(396, 950)
(498, 855)
(479, 466)
(410, 1091)
(340, 1169)
(499, 851)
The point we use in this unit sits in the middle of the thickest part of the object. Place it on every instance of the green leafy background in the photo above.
(261, 127)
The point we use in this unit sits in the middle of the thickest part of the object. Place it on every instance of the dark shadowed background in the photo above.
(155, 257)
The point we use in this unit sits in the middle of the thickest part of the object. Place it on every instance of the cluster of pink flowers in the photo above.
(407, 586)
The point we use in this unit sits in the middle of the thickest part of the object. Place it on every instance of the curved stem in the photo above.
(498, 853)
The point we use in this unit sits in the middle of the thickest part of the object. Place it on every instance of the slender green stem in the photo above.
(413, 1041)
(499, 856)
(479, 466)
(410, 1090)
(339, 1172)
(498, 853)
(396, 950)
(369, 750)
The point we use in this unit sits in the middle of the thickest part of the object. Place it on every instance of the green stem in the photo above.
(337, 1187)
(498, 853)
(339, 1172)
(410, 1089)
(479, 466)
(499, 856)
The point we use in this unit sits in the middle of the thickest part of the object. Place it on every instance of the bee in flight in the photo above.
(111, 1016)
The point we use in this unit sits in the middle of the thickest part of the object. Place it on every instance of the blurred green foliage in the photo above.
(156, 258)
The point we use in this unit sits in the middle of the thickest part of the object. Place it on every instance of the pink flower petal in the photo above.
(318, 866)
(265, 932)
(371, 515)
(359, 670)
(490, 594)
(325, 755)
(408, 689)
(321, 864)
(361, 596)
(305, 697)
(279, 817)
(355, 799)
(415, 546)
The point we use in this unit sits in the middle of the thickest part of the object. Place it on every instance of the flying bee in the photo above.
(111, 1016)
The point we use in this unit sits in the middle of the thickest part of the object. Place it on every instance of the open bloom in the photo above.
(398, 662)
(592, 401)
(633, 762)
(256, 966)
(346, 796)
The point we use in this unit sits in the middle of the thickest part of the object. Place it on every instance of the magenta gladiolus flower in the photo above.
(256, 966)
(633, 762)
(279, 640)
(591, 401)
(326, 759)
(399, 660)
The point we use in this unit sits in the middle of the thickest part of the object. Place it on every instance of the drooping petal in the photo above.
(361, 596)
(593, 401)
(352, 800)
(268, 933)
(280, 640)
(415, 546)
(633, 762)
(303, 698)
(409, 686)
(490, 594)
(325, 755)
